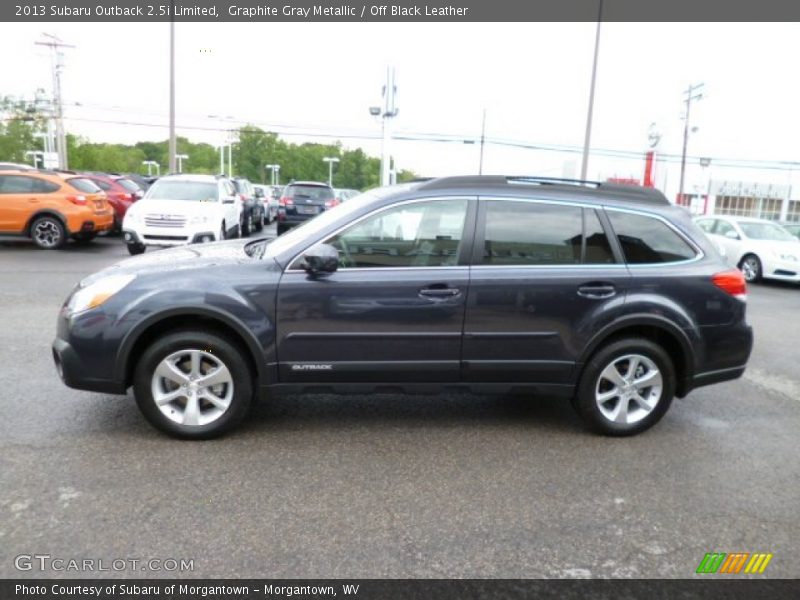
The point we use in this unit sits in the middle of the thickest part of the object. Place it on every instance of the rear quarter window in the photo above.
(87, 186)
(647, 240)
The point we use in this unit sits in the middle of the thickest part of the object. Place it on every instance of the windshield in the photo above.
(766, 231)
(183, 190)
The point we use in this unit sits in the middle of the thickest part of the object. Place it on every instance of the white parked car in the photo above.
(183, 209)
(760, 248)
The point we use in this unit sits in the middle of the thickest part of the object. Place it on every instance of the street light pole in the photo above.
(690, 95)
(483, 142)
(180, 158)
(173, 143)
(58, 65)
(588, 136)
(330, 160)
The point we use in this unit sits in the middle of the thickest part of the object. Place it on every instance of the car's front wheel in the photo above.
(626, 387)
(193, 384)
(751, 268)
(134, 249)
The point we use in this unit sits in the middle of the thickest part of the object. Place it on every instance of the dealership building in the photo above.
(744, 199)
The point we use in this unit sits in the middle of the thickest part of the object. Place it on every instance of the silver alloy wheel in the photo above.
(192, 387)
(750, 268)
(47, 234)
(628, 389)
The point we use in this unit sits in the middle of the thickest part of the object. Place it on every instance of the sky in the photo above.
(532, 79)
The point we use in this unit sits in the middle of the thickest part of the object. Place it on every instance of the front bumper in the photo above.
(75, 374)
(784, 270)
(153, 236)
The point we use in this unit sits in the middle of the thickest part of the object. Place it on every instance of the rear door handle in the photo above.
(597, 291)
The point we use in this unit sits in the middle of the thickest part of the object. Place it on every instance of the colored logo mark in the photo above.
(734, 563)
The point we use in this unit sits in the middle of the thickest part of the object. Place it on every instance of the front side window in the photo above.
(647, 240)
(726, 229)
(419, 234)
(17, 184)
(532, 233)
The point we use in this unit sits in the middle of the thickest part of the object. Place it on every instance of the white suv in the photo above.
(183, 209)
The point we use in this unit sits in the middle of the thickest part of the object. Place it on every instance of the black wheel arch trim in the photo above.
(122, 366)
(48, 212)
(684, 385)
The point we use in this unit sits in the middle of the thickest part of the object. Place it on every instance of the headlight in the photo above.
(94, 294)
(199, 219)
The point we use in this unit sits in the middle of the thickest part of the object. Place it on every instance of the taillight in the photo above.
(731, 282)
(285, 201)
(80, 200)
(332, 202)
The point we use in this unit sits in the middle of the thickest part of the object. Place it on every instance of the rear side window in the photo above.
(102, 184)
(532, 233)
(87, 186)
(129, 185)
(18, 184)
(647, 240)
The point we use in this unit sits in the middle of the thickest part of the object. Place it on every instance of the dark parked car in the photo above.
(603, 294)
(302, 200)
(252, 206)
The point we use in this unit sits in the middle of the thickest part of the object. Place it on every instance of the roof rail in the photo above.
(622, 191)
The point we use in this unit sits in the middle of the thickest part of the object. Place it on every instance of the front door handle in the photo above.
(597, 290)
(439, 292)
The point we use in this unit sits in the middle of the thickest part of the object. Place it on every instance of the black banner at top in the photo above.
(398, 10)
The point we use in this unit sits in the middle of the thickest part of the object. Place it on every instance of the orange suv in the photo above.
(49, 207)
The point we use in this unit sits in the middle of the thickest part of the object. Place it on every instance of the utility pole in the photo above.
(483, 142)
(57, 58)
(173, 142)
(692, 93)
(388, 111)
(588, 136)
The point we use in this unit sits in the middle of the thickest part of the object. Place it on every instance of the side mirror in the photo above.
(322, 259)
(731, 234)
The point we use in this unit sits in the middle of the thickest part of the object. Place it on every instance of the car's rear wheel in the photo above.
(193, 384)
(259, 223)
(626, 387)
(281, 228)
(247, 225)
(134, 249)
(48, 232)
(751, 268)
(222, 233)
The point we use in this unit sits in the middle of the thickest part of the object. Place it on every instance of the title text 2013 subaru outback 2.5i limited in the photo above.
(604, 294)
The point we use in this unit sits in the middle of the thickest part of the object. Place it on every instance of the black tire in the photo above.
(223, 233)
(259, 223)
(750, 266)
(211, 343)
(134, 249)
(591, 382)
(281, 228)
(85, 238)
(48, 233)
(245, 225)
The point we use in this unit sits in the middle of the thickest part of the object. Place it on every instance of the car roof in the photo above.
(309, 183)
(567, 190)
(186, 177)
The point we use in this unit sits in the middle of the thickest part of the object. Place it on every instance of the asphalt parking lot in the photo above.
(391, 486)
